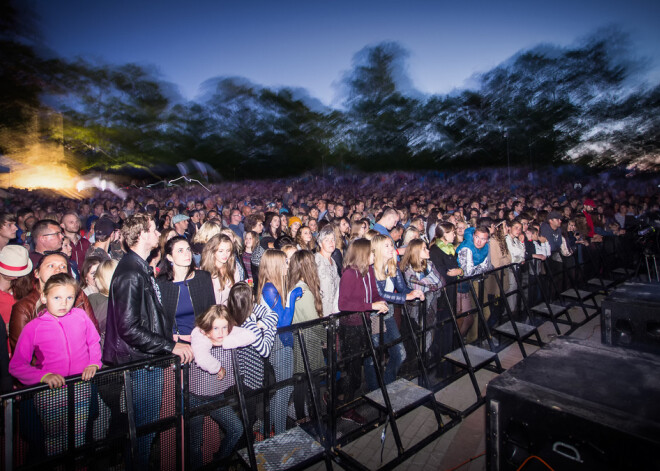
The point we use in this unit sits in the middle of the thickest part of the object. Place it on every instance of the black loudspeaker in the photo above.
(575, 405)
(631, 317)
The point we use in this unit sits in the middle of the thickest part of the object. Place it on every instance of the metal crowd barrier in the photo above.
(325, 384)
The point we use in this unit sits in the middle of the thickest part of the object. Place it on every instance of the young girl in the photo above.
(212, 374)
(420, 273)
(250, 241)
(219, 260)
(272, 286)
(357, 293)
(392, 288)
(303, 274)
(61, 341)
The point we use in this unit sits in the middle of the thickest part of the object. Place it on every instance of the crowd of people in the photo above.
(104, 281)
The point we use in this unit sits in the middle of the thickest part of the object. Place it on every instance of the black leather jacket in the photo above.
(201, 294)
(137, 327)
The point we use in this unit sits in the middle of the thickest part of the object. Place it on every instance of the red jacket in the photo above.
(357, 293)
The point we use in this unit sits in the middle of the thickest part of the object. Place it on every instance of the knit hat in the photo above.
(589, 202)
(179, 218)
(294, 219)
(15, 260)
(553, 215)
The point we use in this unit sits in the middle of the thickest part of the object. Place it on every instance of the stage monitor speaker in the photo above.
(631, 317)
(575, 405)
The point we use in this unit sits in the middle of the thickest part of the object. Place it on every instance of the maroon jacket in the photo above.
(357, 293)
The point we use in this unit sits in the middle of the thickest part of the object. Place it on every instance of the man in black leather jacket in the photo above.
(137, 328)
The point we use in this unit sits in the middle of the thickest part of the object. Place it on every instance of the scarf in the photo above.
(478, 255)
(449, 249)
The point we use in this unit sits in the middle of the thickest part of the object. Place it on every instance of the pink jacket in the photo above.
(61, 345)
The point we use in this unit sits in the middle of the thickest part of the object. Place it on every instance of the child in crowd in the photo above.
(61, 341)
(212, 374)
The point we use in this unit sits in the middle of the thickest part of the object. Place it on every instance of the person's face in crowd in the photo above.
(449, 237)
(525, 224)
(424, 253)
(219, 330)
(51, 265)
(51, 239)
(480, 239)
(328, 244)
(313, 225)
(359, 207)
(313, 214)
(570, 227)
(259, 227)
(59, 300)
(235, 217)
(199, 206)
(388, 250)
(248, 240)
(554, 223)
(195, 217)
(419, 224)
(344, 227)
(181, 254)
(113, 212)
(396, 234)
(8, 230)
(339, 210)
(71, 224)
(208, 204)
(222, 253)
(283, 221)
(274, 223)
(294, 227)
(90, 278)
(516, 229)
(212, 214)
(306, 234)
(331, 209)
(84, 209)
(151, 236)
(567, 211)
(183, 225)
(98, 209)
(460, 228)
(66, 246)
(305, 219)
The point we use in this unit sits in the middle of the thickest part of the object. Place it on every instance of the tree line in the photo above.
(545, 105)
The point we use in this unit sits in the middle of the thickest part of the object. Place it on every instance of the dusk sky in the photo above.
(310, 43)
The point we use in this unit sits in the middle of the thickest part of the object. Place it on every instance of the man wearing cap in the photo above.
(589, 206)
(180, 223)
(551, 230)
(70, 224)
(103, 231)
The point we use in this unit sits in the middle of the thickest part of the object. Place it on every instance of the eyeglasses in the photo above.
(53, 233)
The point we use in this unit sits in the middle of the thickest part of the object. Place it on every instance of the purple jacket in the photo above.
(61, 345)
(357, 293)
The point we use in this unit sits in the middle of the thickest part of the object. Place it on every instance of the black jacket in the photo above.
(201, 294)
(137, 327)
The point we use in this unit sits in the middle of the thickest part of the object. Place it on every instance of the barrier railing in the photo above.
(326, 382)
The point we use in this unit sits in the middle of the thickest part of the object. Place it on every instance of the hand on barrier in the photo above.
(53, 380)
(380, 307)
(184, 351)
(89, 372)
(222, 373)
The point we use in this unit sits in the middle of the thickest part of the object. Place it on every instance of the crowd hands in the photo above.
(196, 273)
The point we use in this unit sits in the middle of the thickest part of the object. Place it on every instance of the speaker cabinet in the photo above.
(575, 405)
(631, 317)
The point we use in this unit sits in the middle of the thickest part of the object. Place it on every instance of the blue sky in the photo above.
(310, 43)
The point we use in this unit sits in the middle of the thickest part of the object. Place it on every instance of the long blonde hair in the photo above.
(271, 270)
(383, 268)
(225, 274)
(412, 256)
(206, 231)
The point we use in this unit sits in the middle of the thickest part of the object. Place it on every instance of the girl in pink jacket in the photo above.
(63, 342)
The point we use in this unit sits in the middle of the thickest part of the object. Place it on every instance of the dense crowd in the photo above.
(197, 271)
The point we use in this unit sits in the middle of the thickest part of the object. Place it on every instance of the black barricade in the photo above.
(325, 383)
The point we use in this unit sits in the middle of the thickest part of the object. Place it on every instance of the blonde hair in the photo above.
(225, 274)
(206, 231)
(236, 241)
(104, 274)
(270, 270)
(383, 268)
